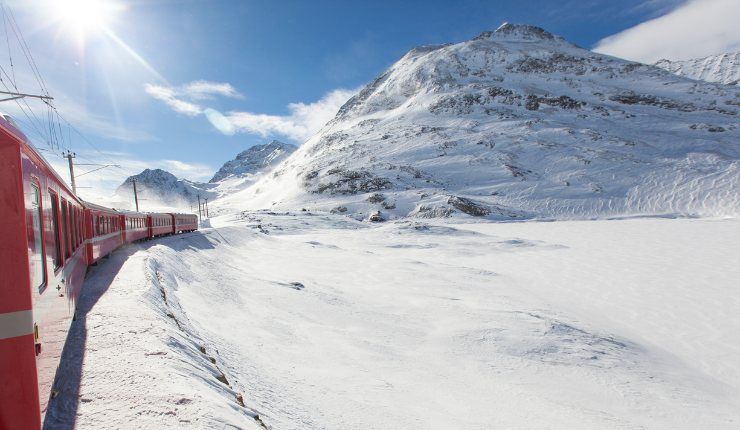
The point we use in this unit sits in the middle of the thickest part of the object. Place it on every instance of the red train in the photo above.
(48, 238)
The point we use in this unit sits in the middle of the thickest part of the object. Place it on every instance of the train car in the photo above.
(185, 222)
(48, 237)
(43, 265)
(135, 226)
(103, 231)
(160, 224)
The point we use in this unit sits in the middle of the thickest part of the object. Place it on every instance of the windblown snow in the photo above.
(322, 322)
(161, 190)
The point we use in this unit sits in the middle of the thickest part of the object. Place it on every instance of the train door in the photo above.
(37, 260)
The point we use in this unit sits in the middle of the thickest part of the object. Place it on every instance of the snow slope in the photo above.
(723, 68)
(517, 123)
(322, 322)
(253, 160)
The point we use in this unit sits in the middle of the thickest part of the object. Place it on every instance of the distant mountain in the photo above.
(518, 123)
(723, 68)
(160, 188)
(254, 159)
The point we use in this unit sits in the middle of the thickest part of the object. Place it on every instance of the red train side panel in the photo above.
(19, 405)
(45, 270)
(160, 224)
(135, 226)
(103, 232)
(185, 222)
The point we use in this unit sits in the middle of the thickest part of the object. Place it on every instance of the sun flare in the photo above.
(83, 17)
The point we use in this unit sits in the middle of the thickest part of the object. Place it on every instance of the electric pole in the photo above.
(199, 216)
(70, 155)
(206, 208)
(136, 197)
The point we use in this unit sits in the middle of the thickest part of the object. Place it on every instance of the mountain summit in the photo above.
(518, 123)
(254, 159)
(159, 188)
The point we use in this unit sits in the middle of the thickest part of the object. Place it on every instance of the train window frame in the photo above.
(57, 257)
(39, 235)
(65, 226)
(77, 228)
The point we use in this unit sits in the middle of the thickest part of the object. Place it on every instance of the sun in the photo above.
(83, 17)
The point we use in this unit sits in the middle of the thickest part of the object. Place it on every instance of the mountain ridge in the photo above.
(517, 123)
(254, 159)
(721, 68)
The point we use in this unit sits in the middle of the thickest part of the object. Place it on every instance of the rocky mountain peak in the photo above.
(152, 176)
(517, 32)
(254, 159)
(160, 188)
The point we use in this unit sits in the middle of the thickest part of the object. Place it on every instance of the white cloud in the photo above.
(170, 97)
(303, 121)
(201, 90)
(698, 28)
(182, 99)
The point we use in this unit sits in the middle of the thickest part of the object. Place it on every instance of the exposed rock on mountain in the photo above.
(518, 123)
(254, 159)
(159, 188)
(723, 68)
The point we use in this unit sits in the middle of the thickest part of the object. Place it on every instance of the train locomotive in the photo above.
(48, 239)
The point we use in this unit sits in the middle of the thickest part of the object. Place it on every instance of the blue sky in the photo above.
(137, 82)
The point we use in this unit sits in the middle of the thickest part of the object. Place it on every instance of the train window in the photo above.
(36, 256)
(55, 230)
(77, 226)
(73, 223)
(65, 228)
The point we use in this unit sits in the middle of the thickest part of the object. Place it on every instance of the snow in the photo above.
(160, 190)
(608, 299)
(524, 125)
(320, 321)
(255, 159)
(722, 68)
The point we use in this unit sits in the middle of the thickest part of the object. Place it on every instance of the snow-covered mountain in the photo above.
(517, 123)
(158, 188)
(723, 68)
(254, 159)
